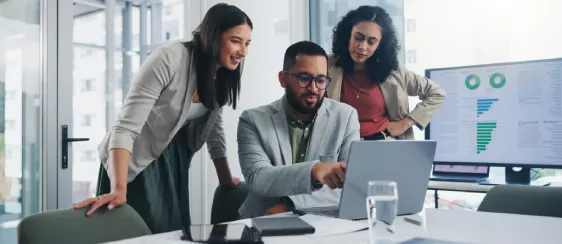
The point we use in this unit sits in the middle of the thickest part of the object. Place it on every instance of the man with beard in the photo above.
(293, 152)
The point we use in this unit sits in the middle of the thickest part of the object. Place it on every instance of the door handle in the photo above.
(65, 141)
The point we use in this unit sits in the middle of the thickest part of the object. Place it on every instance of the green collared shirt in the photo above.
(299, 133)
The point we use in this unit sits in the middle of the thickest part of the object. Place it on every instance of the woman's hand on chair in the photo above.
(114, 199)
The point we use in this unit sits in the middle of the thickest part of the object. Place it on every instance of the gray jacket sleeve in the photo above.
(153, 76)
(351, 134)
(261, 176)
(326, 196)
(216, 141)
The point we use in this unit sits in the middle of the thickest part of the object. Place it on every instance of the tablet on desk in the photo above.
(282, 226)
(222, 233)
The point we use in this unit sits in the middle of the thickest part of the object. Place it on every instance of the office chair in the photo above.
(72, 226)
(524, 199)
(226, 203)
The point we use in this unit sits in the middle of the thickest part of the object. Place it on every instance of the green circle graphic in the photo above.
(493, 81)
(469, 85)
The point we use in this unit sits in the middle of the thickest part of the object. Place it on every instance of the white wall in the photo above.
(277, 24)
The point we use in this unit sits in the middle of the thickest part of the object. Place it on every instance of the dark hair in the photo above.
(384, 60)
(301, 48)
(206, 43)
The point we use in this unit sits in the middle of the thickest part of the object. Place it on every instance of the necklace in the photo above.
(357, 89)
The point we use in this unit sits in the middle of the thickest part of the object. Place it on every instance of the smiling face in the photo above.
(234, 46)
(364, 41)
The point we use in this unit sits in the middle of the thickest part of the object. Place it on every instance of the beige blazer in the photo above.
(156, 108)
(401, 84)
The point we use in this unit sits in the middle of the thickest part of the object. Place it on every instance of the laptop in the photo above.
(460, 173)
(407, 162)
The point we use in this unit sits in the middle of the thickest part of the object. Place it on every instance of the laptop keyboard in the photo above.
(331, 213)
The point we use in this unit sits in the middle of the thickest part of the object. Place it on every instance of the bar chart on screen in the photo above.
(484, 129)
(484, 135)
(484, 105)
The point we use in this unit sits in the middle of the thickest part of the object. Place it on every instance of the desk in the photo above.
(456, 186)
(472, 187)
(451, 225)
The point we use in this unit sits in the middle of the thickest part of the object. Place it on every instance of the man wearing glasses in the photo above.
(293, 152)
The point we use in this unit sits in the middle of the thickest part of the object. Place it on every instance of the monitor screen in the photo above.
(500, 114)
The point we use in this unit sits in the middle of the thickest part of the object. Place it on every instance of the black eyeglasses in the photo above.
(305, 79)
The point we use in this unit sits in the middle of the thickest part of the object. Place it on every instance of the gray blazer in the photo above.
(156, 108)
(264, 151)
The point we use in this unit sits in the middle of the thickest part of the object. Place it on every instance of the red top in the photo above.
(367, 98)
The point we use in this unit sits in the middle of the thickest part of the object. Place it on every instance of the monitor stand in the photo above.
(515, 177)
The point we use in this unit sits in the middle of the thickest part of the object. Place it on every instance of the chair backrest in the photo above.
(72, 226)
(524, 199)
(226, 203)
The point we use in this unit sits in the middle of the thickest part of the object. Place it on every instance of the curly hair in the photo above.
(385, 58)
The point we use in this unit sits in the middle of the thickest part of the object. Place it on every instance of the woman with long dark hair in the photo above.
(173, 107)
(366, 75)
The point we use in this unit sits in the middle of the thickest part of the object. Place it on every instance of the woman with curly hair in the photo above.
(366, 75)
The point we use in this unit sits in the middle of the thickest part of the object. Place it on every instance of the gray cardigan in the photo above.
(156, 108)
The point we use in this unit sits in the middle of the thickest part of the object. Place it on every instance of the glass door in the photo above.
(89, 96)
(28, 133)
(109, 41)
(100, 50)
(96, 86)
(105, 43)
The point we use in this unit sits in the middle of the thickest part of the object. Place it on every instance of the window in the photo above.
(88, 155)
(412, 56)
(86, 52)
(88, 85)
(9, 153)
(325, 14)
(87, 120)
(172, 21)
(171, 29)
(11, 95)
(10, 124)
(411, 25)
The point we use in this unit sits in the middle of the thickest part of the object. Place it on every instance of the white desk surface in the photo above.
(451, 225)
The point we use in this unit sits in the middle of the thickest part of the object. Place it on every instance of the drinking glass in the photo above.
(382, 204)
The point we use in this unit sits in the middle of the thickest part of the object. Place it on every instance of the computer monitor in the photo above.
(504, 114)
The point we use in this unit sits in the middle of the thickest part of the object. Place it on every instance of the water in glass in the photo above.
(382, 204)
